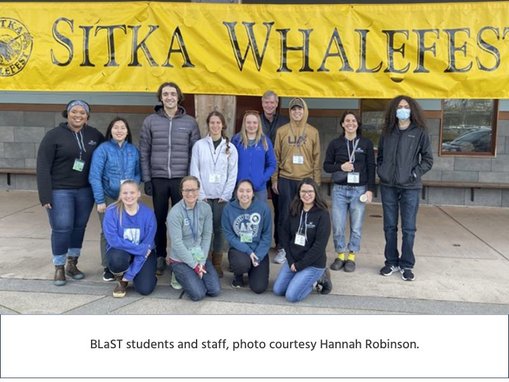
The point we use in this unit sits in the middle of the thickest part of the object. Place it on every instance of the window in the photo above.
(372, 117)
(468, 127)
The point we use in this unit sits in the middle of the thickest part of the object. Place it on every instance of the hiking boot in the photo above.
(324, 283)
(407, 274)
(337, 264)
(72, 270)
(121, 288)
(349, 266)
(388, 270)
(280, 257)
(238, 281)
(107, 275)
(161, 266)
(59, 278)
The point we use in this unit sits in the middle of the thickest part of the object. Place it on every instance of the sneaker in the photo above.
(324, 283)
(238, 281)
(107, 275)
(174, 283)
(280, 257)
(349, 266)
(121, 289)
(407, 274)
(161, 266)
(337, 264)
(388, 270)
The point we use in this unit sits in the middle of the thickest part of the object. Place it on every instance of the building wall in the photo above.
(22, 131)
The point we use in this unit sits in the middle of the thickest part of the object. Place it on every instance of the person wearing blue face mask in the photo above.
(404, 156)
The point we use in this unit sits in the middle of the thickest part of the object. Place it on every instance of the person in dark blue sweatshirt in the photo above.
(130, 228)
(247, 225)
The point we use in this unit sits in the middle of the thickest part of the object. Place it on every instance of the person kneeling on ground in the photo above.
(190, 228)
(304, 237)
(247, 225)
(129, 227)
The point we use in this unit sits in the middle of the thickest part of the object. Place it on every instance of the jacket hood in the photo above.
(298, 102)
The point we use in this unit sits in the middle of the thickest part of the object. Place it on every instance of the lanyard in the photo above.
(303, 230)
(192, 223)
(351, 155)
(81, 145)
(215, 157)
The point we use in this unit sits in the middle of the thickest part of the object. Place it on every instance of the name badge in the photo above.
(78, 165)
(353, 177)
(246, 237)
(298, 159)
(214, 178)
(300, 240)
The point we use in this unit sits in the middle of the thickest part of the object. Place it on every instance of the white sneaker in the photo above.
(280, 257)
(174, 283)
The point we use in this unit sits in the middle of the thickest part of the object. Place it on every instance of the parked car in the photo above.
(473, 141)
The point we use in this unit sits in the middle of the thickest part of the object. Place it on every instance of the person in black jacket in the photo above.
(404, 156)
(304, 237)
(351, 160)
(63, 165)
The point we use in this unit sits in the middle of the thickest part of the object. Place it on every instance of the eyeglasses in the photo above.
(305, 192)
(190, 190)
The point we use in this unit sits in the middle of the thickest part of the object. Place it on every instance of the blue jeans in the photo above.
(395, 201)
(68, 218)
(195, 287)
(145, 280)
(296, 286)
(345, 199)
(261, 195)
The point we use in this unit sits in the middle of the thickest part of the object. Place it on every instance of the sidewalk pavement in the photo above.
(462, 268)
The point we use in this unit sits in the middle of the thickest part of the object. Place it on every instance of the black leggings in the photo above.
(258, 276)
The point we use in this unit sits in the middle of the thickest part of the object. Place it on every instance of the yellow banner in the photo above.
(458, 50)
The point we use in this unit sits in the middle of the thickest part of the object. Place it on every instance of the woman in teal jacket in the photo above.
(114, 161)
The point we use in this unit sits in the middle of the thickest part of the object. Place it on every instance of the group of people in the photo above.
(218, 189)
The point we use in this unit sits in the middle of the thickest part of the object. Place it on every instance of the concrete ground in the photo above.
(462, 268)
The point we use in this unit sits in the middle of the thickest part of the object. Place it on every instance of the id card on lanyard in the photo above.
(301, 235)
(352, 177)
(79, 164)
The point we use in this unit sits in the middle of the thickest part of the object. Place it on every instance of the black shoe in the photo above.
(161, 266)
(238, 281)
(324, 283)
(107, 275)
(388, 270)
(337, 264)
(407, 275)
(349, 266)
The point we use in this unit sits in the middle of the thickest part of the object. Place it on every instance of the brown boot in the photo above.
(121, 288)
(72, 270)
(217, 262)
(59, 278)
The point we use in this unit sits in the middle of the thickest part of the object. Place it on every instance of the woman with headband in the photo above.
(63, 164)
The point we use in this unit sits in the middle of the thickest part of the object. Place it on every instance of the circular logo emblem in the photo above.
(15, 46)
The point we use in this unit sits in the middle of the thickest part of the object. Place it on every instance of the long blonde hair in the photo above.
(259, 134)
(119, 205)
